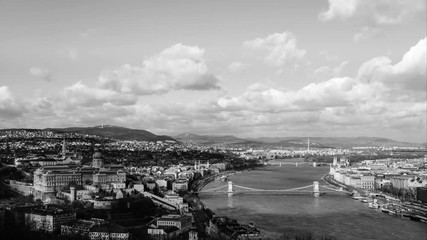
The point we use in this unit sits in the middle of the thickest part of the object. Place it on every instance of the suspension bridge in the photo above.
(315, 189)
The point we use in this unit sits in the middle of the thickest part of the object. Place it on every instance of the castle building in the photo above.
(49, 179)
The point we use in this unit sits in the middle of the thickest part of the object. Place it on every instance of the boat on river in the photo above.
(385, 210)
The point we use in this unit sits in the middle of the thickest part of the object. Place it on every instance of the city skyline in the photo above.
(244, 68)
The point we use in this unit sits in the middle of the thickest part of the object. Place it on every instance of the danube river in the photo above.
(335, 215)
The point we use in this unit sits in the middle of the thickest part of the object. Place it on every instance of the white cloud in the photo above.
(9, 107)
(281, 48)
(380, 12)
(41, 73)
(175, 68)
(408, 74)
(81, 95)
(368, 33)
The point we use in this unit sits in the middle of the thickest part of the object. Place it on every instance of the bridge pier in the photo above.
(316, 191)
(230, 189)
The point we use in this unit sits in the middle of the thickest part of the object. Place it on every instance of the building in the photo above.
(49, 179)
(53, 178)
(108, 231)
(180, 185)
(173, 220)
(95, 229)
(400, 182)
(77, 228)
(49, 219)
(367, 181)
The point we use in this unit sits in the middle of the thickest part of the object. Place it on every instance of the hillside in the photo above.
(209, 139)
(114, 132)
(291, 142)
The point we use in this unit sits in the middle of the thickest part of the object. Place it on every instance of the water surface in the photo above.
(336, 215)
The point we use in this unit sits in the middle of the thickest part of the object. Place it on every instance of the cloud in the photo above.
(280, 48)
(385, 97)
(178, 67)
(379, 12)
(368, 33)
(9, 107)
(41, 73)
(236, 66)
(81, 95)
(408, 74)
(326, 71)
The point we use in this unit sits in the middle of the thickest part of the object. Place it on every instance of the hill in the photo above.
(291, 142)
(114, 132)
(209, 139)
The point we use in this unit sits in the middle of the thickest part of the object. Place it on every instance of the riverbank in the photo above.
(385, 203)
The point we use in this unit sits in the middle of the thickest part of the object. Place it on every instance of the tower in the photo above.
(230, 189)
(308, 144)
(196, 165)
(316, 191)
(73, 194)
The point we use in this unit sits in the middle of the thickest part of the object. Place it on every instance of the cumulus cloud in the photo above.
(408, 74)
(381, 12)
(41, 73)
(79, 94)
(385, 96)
(9, 107)
(280, 48)
(175, 68)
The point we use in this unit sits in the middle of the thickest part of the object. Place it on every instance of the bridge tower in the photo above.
(316, 191)
(230, 189)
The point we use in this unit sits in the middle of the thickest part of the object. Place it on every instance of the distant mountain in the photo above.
(291, 142)
(114, 132)
(337, 142)
(209, 139)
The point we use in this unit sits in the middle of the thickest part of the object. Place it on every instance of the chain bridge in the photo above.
(315, 189)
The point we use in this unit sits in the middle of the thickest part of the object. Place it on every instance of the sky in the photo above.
(247, 68)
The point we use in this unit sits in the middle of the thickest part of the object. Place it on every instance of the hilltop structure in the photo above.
(50, 179)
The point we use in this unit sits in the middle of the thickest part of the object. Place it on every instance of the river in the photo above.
(335, 215)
